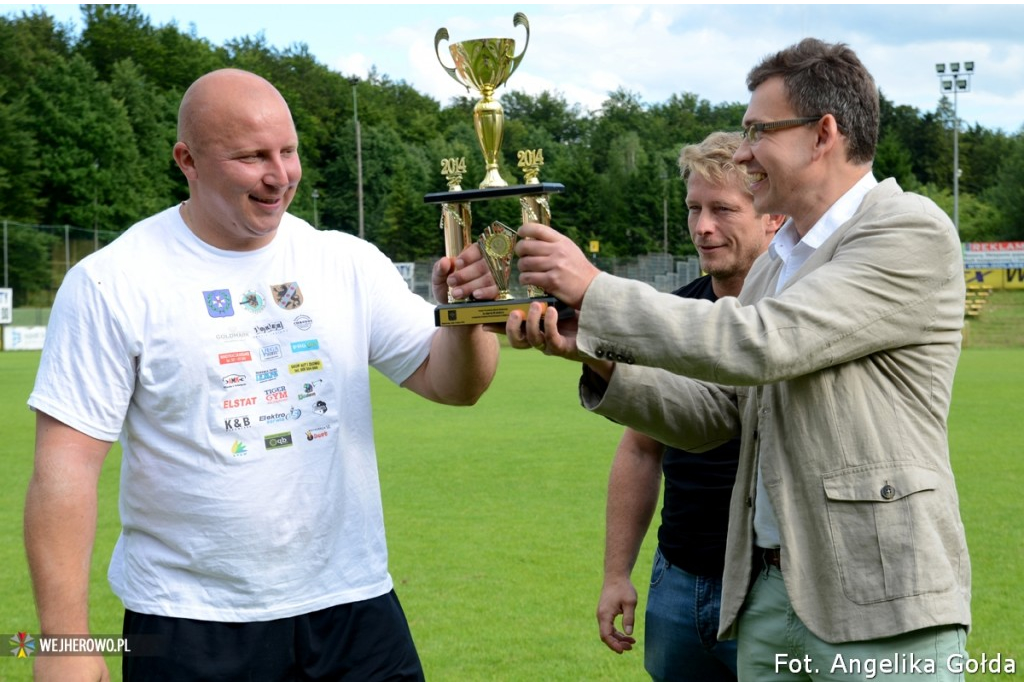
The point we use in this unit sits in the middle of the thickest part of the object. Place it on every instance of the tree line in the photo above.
(88, 119)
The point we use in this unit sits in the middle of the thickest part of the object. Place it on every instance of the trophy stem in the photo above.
(456, 222)
(489, 121)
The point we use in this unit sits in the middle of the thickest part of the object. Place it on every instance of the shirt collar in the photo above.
(786, 238)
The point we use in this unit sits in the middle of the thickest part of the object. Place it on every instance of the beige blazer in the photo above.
(839, 386)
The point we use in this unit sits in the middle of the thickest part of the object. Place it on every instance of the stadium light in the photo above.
(957, 83)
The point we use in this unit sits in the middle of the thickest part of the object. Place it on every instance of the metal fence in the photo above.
(664, 272)
(65, 244)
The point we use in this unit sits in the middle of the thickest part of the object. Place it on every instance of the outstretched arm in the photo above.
(633, 488)
(462, 359)
(60, 529)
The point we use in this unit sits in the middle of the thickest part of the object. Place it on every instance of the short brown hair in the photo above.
(828, 78)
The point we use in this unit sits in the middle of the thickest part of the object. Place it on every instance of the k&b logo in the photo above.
(236, 423)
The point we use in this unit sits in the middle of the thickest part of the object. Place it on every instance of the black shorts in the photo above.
(366, 641)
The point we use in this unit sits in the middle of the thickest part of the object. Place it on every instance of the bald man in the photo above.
(227, 345)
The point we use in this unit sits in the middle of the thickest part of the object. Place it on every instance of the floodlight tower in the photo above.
(956, 82)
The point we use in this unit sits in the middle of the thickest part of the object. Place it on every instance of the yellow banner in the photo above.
(997, 279)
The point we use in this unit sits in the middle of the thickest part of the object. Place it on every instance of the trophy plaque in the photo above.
(485, 64)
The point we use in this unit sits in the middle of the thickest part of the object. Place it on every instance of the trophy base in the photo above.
(492, 311)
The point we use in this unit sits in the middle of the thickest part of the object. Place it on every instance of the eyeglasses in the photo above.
(752, 133)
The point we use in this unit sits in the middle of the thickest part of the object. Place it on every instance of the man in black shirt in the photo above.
(681, 623)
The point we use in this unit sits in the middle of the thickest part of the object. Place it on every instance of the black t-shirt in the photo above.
(695, 514)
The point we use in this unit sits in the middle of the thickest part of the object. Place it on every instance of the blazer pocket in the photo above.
(892, 530)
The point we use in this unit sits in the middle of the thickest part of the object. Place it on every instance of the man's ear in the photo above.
(185, 161)
(829, 135)
(772, 222)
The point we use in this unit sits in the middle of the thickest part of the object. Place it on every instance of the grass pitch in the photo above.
(495, 517)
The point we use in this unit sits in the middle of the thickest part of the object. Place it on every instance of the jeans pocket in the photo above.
(658, 568)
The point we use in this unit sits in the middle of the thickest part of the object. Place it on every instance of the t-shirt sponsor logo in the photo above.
(270, 352)
(239, 402)
(277, 394)
(237, 423)
(253, 302)
(287, 295)
(234, 357)
(316, 433)
(277, 441)
(268, 328)
(293, 414)
(235, 380)
(218, 303)
(320, 407)
(233, 335)
(303, 367)
(267, 375)
(238, 449)
(305, 345)
(309, 389)
(303, 322)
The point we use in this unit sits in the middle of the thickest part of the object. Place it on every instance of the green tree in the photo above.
(547, 115)
(168, 58)
(30, 262)
(902, 127)
(113, 33)
(981, 153)
(979, 220)
(152, 118)
(893, 160)
(87, 149)
(20, 173)
(1007, 195)
(408, 228)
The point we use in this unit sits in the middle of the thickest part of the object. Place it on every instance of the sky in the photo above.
(586, 51)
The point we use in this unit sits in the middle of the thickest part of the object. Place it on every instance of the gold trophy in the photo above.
(485, 64)
(497, 245)
(456, 217)
(536, 208)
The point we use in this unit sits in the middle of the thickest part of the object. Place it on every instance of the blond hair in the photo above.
(711, 159)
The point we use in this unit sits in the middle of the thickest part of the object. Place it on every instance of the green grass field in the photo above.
(495, 518)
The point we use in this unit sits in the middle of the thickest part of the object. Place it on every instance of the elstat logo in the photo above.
(24, 645)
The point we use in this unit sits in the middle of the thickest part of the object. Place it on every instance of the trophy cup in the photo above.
(486, 64)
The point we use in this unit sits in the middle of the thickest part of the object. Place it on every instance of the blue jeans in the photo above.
(681, 627)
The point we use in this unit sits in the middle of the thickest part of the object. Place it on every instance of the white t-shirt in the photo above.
(238, 384)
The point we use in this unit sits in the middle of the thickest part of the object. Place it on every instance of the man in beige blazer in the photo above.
(846, 556)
